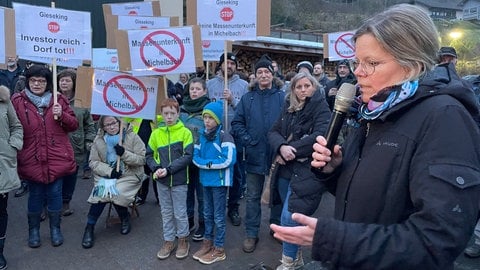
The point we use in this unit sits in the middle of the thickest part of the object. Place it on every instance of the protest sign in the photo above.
(7, 40)
(103, 58)
(338, 46)
(52, 32)
(159, 51)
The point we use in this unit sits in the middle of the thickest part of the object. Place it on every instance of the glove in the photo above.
(115, 175)
(119, 149)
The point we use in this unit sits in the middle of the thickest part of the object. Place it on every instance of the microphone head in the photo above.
(344, 97)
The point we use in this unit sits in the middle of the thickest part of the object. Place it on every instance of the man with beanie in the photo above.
(215, 156)
(236, 88)
(344, 74)
(447, 55)
(255, 114)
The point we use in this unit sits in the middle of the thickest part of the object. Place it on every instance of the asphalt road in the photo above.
(138, 249)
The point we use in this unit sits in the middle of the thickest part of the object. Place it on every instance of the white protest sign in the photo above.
(340, 46)
(103, 58)
(52, 32)
(139, 22)
(2, 37)
(133, 9)
(120, 94)
(212, 49)
(63, 62)
(159, 51)
(228, 19)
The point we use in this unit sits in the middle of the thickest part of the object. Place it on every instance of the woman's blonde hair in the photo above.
(295, 103)
(408, 33)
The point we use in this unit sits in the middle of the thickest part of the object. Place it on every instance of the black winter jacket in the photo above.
(304, 126)
(407, 191)
(254, 116)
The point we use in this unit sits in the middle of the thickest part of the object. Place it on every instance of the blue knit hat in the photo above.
(215, 110)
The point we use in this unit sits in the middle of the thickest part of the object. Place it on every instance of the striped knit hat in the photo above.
(215, 110)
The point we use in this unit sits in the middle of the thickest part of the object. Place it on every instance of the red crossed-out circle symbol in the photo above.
(53, 27)
(149, 39)
(226, 14)
(343, 44)
(116, 81)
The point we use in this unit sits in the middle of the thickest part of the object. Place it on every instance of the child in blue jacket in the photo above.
(214, 154)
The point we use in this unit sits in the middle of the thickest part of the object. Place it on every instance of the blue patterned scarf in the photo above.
(111, 141)
(373, 109)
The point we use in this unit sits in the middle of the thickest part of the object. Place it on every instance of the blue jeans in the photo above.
(39, 193)
(68, 186)
(253, 210)
(214, 213)
(173, 205)
(288, 249)
(195, 190)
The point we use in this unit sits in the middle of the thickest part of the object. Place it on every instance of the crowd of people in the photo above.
(406, 192)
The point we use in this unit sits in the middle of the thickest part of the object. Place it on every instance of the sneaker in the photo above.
(166, 250)
(198, 235)
(472, 251)
(139, 201)
(235, 217)
(204, 249)
(216, 254)
(250, 244)
(183, 248)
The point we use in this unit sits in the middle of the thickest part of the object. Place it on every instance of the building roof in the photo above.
(447, 4)
(282, 44)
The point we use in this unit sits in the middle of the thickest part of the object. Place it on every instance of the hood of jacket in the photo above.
(4, 94)
(443, 80)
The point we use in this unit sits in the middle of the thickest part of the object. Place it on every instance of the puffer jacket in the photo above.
(47, 154)
(407, 191)
(303, 126)
(11, 141)
(171, 147)
(132, 175)
(215, 159)
(255, 114)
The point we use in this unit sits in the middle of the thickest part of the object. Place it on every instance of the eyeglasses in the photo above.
(110, 125)
(369, 66)
(39, 81)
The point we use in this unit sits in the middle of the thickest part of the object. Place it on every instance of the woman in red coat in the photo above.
(47, 154)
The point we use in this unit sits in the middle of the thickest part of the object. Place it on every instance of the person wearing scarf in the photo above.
(47, 155)
(118, 173)
(191, 116)
(406, 181)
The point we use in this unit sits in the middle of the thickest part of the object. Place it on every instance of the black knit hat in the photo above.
(264, 62)
(448, 51)
(230, 56)
(305, 64)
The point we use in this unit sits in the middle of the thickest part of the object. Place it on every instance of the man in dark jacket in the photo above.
(9, 76)
(255, 114)
(344, 75)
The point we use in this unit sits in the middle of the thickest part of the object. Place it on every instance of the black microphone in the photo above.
(343, 101)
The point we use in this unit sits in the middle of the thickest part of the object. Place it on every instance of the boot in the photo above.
(88, 237)
(66, 211)
(288, 263)
(3, 262)
(125, 227)
(34, 230)
(55, 232)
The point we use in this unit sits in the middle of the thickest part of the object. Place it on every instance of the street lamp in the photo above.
(455, 35)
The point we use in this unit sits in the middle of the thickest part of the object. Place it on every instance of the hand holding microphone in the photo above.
(325, 145)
